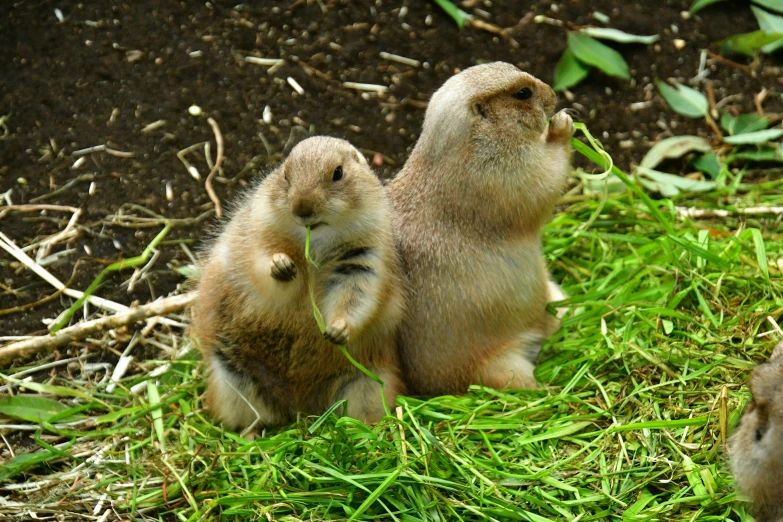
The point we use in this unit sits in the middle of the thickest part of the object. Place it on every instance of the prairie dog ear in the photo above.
(358, 156)
(479, 109)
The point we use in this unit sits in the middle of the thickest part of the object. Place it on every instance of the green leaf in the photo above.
(775, 5)
(593, 52)
(767, 21)
(771, 24)
(569, 71)
(375, 494)
(754, 138)
(766, 154)
(743, 123)
(674, 147)
(669, 184)
(709, 164)
(748, 44)
(684, 100)
(698, 5)
(157, 415)
(606, 33)
(761, 251)
(31, 408)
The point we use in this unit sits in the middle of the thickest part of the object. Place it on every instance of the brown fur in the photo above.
(469, 205)
(254, 318)
(757, 446)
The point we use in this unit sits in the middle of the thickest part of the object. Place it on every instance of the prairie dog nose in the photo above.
(302, 209)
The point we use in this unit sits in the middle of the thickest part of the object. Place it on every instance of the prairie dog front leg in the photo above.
(561, 128)
(351, 292)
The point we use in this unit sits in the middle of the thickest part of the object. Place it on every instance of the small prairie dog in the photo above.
(469, 206)
(254, 319)
(756, 448)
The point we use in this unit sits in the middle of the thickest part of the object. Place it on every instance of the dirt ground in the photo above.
(123, 75)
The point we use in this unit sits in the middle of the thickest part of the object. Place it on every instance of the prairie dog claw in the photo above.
(283, 268)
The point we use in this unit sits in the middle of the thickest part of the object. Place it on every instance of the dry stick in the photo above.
(216, 168)
(80, 331)
(33, 208)
(715, 212)
(9, 246)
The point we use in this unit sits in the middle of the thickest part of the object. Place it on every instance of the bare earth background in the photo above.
(108, 71)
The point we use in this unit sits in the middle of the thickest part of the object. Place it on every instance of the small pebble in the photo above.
(678, 44)
(194, 110)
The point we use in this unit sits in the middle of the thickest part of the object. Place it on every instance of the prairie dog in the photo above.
(254, 319)
(469, 205)
(756, 447)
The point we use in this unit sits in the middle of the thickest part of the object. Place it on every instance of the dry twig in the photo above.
(215, 168)
(82, 330)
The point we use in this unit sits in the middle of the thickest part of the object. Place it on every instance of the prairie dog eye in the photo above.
(337, 175)
(523, 94)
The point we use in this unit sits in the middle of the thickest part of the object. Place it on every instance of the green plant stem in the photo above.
(598, 159)
(114, 267)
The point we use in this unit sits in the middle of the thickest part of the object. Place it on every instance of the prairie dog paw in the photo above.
(283, 268)
(337, 332)
(561, 128)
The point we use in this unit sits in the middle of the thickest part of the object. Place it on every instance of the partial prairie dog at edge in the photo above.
(756, 448)
(469, 205)
(267, 359)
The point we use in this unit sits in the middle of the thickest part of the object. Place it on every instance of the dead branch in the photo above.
(29, 347)
(216, 168)
(715, 212)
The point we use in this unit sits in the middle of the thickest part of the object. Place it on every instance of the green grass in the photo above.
(629, 424)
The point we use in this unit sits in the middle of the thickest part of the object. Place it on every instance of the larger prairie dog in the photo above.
(469, 205)
(254, 320)
(757, 446)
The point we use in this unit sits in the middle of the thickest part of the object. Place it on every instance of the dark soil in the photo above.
(107, 71)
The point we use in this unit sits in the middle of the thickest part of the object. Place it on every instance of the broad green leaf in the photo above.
(743, 123)
(775, 5)
(684, 100)
(569, 71)
(669, 184)
(31, 408)
(50, 389)
(766, 154)
(698, 5)
(607, 33)
(674, 147)
(709, 164)
(767, 21)
(754, 138)
(748, 44)
(593, 52)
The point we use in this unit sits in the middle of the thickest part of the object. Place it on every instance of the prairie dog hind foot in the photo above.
(363, 394)
(337, 332)
(513, 366)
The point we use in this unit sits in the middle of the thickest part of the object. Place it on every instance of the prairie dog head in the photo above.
(757, 446)
(324, 183)
(495, 106)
